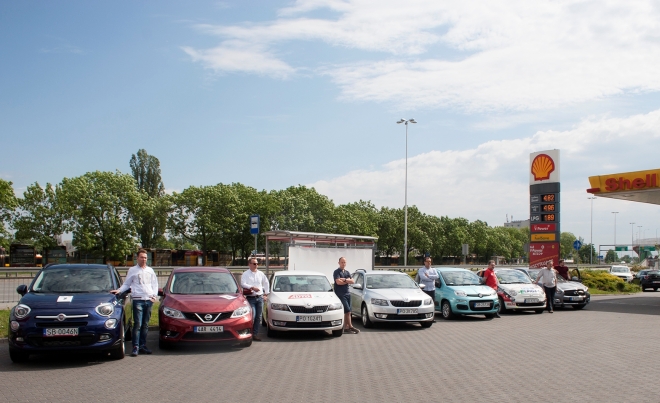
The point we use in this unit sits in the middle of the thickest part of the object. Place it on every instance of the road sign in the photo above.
(466, 249)
(254, 224)
(620, 248)
(577, 244)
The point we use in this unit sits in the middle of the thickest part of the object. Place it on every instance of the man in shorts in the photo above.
(342, 279)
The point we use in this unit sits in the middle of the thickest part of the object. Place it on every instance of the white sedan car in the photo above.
(517, 292)
(303, 301)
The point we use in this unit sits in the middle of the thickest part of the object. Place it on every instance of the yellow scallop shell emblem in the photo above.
(542, 167)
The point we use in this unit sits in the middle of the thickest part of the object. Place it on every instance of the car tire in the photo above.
(539, 310)
(163, 345)
(128, 333)
(366, 320)
(119, 352)
(502, 308)
(337, 333)
(447, 313)
(426, 325)
(18, 357)
(655, 289)
(579, 306)
(270, 332)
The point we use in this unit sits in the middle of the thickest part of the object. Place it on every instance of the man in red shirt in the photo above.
(490, 279)
(562, 270)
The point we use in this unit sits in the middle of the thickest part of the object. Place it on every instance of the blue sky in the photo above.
(279, 93)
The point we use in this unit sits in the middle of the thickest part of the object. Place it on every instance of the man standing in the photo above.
(342, 279)
(562, 270)
(143, 283)
(548, 278)
(490, 279)
(256, 281)
(427, 276)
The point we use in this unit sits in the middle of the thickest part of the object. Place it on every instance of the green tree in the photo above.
(479, 239)
(153, 214)
(611, 256)
(303, 209)
(358, 218)
(584, 254)
(566, 240)
(101, 207)
(41, 217)
(8, 204)
(390, 231)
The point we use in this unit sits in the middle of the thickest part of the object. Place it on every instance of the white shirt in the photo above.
(429, 282)
(547, 277)
(258, 279)
(142, 282)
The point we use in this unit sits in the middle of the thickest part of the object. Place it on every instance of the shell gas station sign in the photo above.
(639, 186)
(544, 192)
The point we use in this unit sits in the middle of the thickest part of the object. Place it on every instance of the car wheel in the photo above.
(655, 289)
(501, 308)
(270, 332)
(163, 345)
(337, 333)
(366, 320)
(447, 313)
(426, 325)
(539, 310)
(579, 306)
(18, 356)
(489, 315)
(119, 352)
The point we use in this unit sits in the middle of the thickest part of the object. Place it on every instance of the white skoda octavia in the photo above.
(303, 300)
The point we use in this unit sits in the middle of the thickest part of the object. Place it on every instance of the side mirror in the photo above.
(21, 289)
(576, 278)
(422, 286)
(357, 286)
(438, 283)
(160, 292)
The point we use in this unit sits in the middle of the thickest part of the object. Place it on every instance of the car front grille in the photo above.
(304, 309)
(530, 304)
(191, 336)
(408, 318)
(61, 324)
(570, 293)
(196, 316)
(82, 340)
(307, 325)
(403, 304)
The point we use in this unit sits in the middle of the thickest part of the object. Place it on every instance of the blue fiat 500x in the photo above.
(68, 307)
(460, 292)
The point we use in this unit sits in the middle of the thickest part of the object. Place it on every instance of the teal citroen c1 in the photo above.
(460, 292)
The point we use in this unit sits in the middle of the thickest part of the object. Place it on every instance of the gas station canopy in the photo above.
(639, 186)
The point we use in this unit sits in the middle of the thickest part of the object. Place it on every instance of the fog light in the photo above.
(14, 325)
(104, 337)
(336, 322)
(461, 301)
(111, 323)
(279, 323)
(243, 332)
(380, 315)
(429, 315)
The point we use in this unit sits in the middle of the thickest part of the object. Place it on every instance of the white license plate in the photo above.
(482, 304)
(575, 298)
(531, 300)
(61, 331)
(410, 311)
(208, 329)
(311, 318)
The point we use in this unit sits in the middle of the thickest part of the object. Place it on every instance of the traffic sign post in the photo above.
(577, 244)
(254, 229)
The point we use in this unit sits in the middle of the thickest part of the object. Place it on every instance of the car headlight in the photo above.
(559, 291)
(172, 313)
(381, 302)
(242, 311)
(21, 311)
(512, 293)
(334, 306)
(111, 323)
(460, 293)
(428, 301)
(105, 309)
(279, 307)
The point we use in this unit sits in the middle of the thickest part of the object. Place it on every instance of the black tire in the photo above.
(337, 333)
(18, 357)
(366, 321)
(426, 325)
(128, 333)
(163, 345)
(655, 289)
(539, 310)
(271, 333)
(263, 320)
(579, 306)
(489, 315)
(119, 352)
(447, 313)
(501, 309)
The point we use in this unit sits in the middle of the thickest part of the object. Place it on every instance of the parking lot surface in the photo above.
(604, 353)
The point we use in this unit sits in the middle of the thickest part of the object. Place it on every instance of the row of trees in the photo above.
(110, 213)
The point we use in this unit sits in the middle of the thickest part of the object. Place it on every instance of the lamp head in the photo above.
(411, 120)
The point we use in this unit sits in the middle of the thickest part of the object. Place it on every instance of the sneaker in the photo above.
(145, 350)
(135, 351)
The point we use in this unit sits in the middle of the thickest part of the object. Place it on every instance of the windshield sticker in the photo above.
(65, 298)
(230, 297)
(299, 296)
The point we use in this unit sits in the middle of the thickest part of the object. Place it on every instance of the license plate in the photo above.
(531, 300)
(61, 331)
(411, 311)
(311, 318)
(482, 304)
(208, 329)
(575, 298)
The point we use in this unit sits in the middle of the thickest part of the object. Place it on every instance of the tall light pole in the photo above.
(591, 235)
(632, 236)
(615, 213)
(639, 245)
(405, 206)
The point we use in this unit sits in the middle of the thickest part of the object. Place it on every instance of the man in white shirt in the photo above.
(548, 279)
(143, 283)
(256, 281)
(427, 276)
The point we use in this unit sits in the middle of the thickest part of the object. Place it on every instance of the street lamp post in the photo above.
(639, 243)
(632, 236)
(591, 235)
(615, 213)
(405, 206)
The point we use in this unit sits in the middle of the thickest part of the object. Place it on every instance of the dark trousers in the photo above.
(430, 294)
(141, 317)
(550, 296)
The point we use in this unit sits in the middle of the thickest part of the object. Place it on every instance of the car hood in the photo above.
(302, 298)
(523, 289)
(399, 293)
(204, 303)
(473, 289)
(75, 300)
(571, 286)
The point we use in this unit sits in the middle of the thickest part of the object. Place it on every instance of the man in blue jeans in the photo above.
(256, 281)
(143, 283)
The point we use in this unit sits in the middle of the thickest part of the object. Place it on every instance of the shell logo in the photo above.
(542, 167)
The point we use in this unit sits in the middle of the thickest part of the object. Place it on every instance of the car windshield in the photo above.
(203, 283)
(456, 278)
(616, 269)
(533, 274)
(512, 277)
(305, 283)
(379, 281)
(73, 280)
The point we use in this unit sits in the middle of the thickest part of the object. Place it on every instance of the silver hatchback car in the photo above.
(389, 296)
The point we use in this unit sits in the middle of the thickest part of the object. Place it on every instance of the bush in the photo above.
(604, 281)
